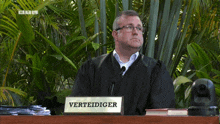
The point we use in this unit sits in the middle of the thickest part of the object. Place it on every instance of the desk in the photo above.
(102, 119)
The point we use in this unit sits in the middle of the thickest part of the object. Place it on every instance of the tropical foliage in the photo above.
(41, 53)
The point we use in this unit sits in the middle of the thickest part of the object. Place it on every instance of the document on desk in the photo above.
(167, 112)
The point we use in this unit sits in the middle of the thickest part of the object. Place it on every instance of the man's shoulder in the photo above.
(99, 59)
(149, 62)
(94, 62)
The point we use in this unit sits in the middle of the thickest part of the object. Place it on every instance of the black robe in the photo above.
(146, 84)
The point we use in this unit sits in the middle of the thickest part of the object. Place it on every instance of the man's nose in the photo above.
(135, 31)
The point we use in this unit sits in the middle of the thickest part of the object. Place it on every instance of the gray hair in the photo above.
(126, 13)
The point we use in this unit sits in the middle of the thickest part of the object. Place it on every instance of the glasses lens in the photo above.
(130, 28)
(139, 29)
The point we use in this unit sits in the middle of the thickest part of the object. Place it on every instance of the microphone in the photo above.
(122, 70)
(113, 83)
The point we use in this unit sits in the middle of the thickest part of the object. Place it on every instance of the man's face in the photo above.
(129, 39)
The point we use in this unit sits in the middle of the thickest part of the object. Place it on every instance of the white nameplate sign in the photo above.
(96, 105)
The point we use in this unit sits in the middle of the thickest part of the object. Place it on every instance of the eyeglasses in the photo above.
(130, 28)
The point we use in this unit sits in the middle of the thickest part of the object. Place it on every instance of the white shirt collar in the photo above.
(127, 64)
(132, 58)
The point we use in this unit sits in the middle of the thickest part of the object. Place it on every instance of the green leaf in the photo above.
(13, 13)
(216, 80)
(103, 24)
(59, 57)
(72, 39)
(17, 91)
(23, 5)
(188, 91)
(125, 4)
(41, 5)
(61, 96)
(217, 90)
(191, 52)
(177, 88)
(36, 62)
(200, 59)
(10, 23)
(28, 56)
(164, 29)
(181, 80)
(84, 44)
(217, 85)
(25, 28)
(217, 72)
(4, 4)
(7, 34)
(96, 30)
(81, 18)
(202, 74)
(9, 30)
(95, 46)
(172, 32)
(2, 95)
(181, 104)
(154, 7)
(58, 51)
(181, 41)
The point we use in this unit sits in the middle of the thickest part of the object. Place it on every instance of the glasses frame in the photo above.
(127, 26)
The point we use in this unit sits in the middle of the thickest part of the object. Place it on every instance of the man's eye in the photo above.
(129, 27)
(139, 28)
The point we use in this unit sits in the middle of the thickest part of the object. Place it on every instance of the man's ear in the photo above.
(114, 34)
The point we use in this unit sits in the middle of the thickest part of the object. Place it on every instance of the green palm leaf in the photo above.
(103, 24)
(6, 96)
(152, 27)
(58, 51)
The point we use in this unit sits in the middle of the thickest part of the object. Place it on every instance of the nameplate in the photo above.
(93, 105)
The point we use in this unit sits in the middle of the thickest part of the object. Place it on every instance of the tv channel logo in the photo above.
(28, 12)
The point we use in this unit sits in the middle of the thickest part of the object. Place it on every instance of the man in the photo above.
(143, 81)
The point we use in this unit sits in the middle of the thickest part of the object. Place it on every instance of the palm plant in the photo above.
(35, 38)
(40, 54)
